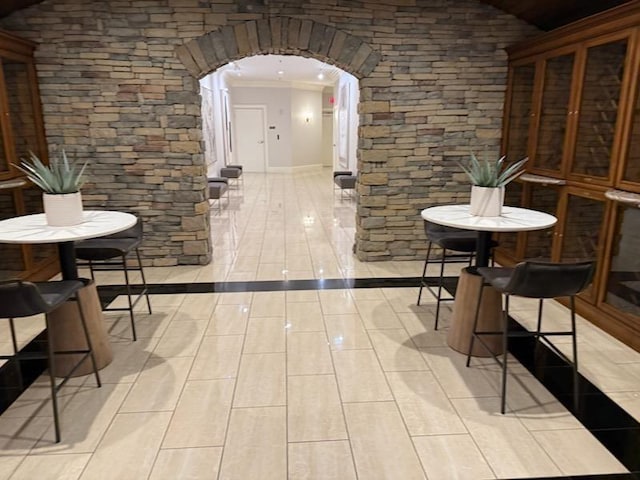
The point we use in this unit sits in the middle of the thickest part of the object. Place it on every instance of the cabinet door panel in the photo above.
(631, 172)
(599, 108)
(582, 231)
(21, 108)
(4, 161)
(513, 198)
(540, 242)
(553, 112)
(623, 278)
(520, 111)
(12, 263)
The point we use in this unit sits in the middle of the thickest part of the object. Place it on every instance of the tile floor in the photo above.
(304, 384)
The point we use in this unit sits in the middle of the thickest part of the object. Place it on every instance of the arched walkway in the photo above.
(281, 35)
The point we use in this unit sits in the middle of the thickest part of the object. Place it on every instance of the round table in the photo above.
(512, 219)
(67, 332)
(34, 229)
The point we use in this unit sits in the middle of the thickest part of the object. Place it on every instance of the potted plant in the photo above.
(488, 180)
(60, 182)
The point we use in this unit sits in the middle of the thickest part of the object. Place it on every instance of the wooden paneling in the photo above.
(550, 14)
(592, 104)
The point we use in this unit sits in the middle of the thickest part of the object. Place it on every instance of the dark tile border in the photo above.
(618, 431)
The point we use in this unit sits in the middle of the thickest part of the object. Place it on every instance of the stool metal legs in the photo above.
(130, 300)
(423, 283)
(51, 361)
(538, 335)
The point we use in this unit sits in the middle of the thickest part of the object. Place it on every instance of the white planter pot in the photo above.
(62, 210)
(486, 201)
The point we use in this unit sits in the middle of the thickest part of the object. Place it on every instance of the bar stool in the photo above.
(232, 172)
(534, 280)
(24, 299)
(464, 242)
(110, 253)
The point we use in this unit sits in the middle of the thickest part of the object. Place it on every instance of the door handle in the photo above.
(260, 141)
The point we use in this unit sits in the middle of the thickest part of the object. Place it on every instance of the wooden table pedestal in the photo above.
(67, 333)
(464, 310)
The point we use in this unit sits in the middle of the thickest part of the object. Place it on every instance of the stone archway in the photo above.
(278, 35)
(287, 36)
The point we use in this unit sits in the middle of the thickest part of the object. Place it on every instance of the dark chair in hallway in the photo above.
(344, 180)
(218, 186)
(462, 244)
(534, 280)
(232, 173)
(110, 254)
(24, 299)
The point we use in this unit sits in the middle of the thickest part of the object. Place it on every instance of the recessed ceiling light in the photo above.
(280, 72)
(321, 76)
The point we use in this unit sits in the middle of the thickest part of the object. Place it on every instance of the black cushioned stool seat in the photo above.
(539, 280)
(19, 299)
(110, 254)
(232, 172)
(464, 242)
(344, 180)
(218, 186)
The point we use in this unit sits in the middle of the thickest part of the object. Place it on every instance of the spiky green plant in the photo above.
(60, 176)
(484, 173)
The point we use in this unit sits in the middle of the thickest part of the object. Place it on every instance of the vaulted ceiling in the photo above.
(545, 14)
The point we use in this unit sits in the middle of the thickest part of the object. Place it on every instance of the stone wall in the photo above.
(118, 83)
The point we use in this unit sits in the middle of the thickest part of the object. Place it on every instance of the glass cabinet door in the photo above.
(631, 171)
(623, 279)
(508, 241)
(13, 262)
(520, 110)
(21, 111)
(598, 112)
(22, 131)
(539, 243)
(582, 232)
(554, 108)
(4, 161)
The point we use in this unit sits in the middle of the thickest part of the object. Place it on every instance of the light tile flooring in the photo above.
(326, 384)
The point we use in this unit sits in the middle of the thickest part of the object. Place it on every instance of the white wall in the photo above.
(207, 95)
(278, 103)
(213, 92)
(327, 139)
(306, 127)
(347, 95)
(292, 141)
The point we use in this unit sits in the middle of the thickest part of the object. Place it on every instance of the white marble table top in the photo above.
(513, 219)
(34, 228)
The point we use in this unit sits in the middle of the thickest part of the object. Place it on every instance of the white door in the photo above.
(250, 145)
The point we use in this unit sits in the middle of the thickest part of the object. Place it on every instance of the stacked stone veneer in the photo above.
(119, 86)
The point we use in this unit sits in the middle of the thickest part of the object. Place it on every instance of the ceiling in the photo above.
(545, 14)
(284, 70)
(550, 14)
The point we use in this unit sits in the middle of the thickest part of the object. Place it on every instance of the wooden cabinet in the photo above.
(21, 131)
(573, 107)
